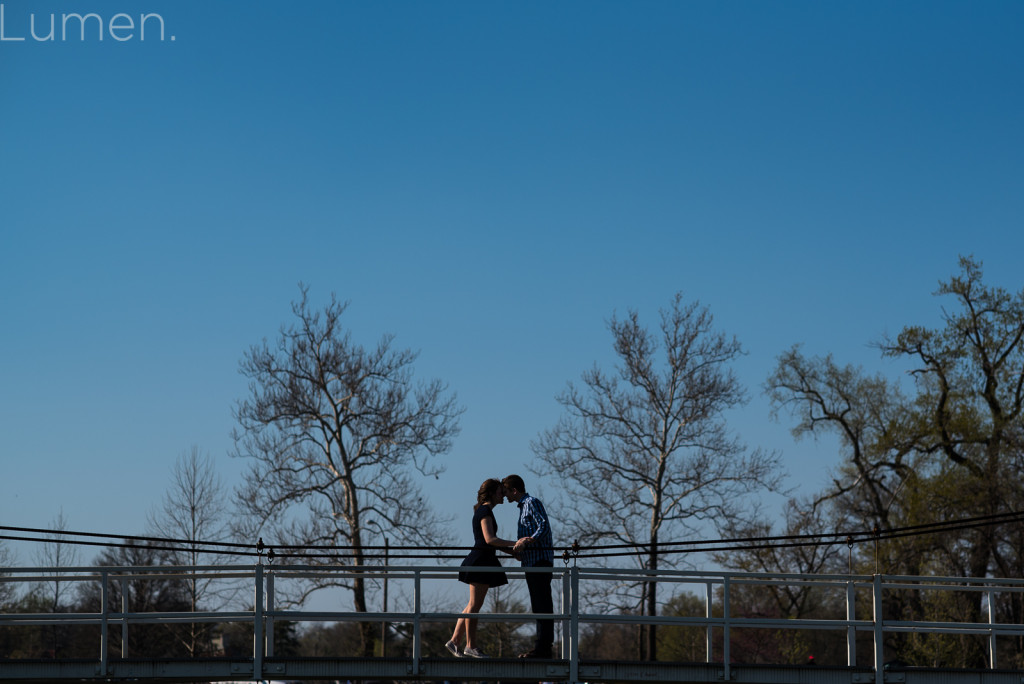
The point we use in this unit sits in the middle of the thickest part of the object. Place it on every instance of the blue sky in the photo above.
(488, 181)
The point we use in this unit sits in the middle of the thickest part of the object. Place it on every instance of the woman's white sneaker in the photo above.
(474, 653)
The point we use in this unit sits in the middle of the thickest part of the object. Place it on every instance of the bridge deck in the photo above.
(466, 669)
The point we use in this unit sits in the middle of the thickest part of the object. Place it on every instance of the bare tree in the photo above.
(7, 589)
(56, 554)
(869, 416)
(337, 433)
(143, 593)
(646, 450)
(796, 556)
(194, 510)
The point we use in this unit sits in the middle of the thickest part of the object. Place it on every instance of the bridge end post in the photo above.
(709, 635)
(124, 616)
(257, 616)
(417, 632)
(851, 631)
(726, 633)
(879, 633)
(269, 636)
(574, 625)
(991, 596)
(105, 625)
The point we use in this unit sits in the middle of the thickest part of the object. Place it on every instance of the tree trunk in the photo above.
(652, 606)
(366, 629)
(641, 631)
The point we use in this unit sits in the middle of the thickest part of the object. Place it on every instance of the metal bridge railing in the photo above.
(719, 619)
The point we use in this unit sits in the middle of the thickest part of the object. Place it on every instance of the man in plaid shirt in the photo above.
(535, 550)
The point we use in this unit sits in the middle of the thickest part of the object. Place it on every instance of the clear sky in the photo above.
(488, 181)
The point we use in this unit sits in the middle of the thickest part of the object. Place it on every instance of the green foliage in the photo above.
(505, 639)
(948, 446)
(330, 640)
(684, 644)
(601, 641)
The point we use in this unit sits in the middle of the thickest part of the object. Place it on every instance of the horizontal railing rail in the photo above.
(718, 619)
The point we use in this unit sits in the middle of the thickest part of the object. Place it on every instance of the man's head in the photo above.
(514, 487)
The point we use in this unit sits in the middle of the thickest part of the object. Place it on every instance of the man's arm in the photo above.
(536, 518)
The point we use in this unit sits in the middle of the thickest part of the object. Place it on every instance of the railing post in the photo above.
(270, 618)
(708, 632)
(416, 634)
(384, 625)
(124, 616)
(851, 631)
(574, 625)
(257, 629)
(563, 609)
(725, 627)
(879, 633)
(992, 632)
(105, 626)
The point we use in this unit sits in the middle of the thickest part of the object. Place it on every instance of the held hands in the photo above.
(519, 545)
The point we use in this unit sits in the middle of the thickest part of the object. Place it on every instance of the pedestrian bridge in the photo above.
(861, 632)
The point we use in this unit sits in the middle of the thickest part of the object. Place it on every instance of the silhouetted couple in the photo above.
(533, 548)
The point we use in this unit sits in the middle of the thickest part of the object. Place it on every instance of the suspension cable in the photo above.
(414, 552)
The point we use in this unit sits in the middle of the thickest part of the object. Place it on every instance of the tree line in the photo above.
(338, 437)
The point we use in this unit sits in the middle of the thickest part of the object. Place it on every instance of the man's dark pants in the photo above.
(539, 584)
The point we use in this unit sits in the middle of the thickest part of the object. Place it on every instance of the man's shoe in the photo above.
(474, 653)
(453, 649)
(544, 655)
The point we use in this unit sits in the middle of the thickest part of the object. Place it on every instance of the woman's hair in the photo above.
(486, 492)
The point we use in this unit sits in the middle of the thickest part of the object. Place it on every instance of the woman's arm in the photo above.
(488, 528)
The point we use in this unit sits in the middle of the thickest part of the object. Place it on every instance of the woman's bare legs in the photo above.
(467, 626)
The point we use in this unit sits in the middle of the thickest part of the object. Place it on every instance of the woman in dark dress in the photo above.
(485, 541)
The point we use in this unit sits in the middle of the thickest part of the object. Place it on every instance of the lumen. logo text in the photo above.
(81, 27)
